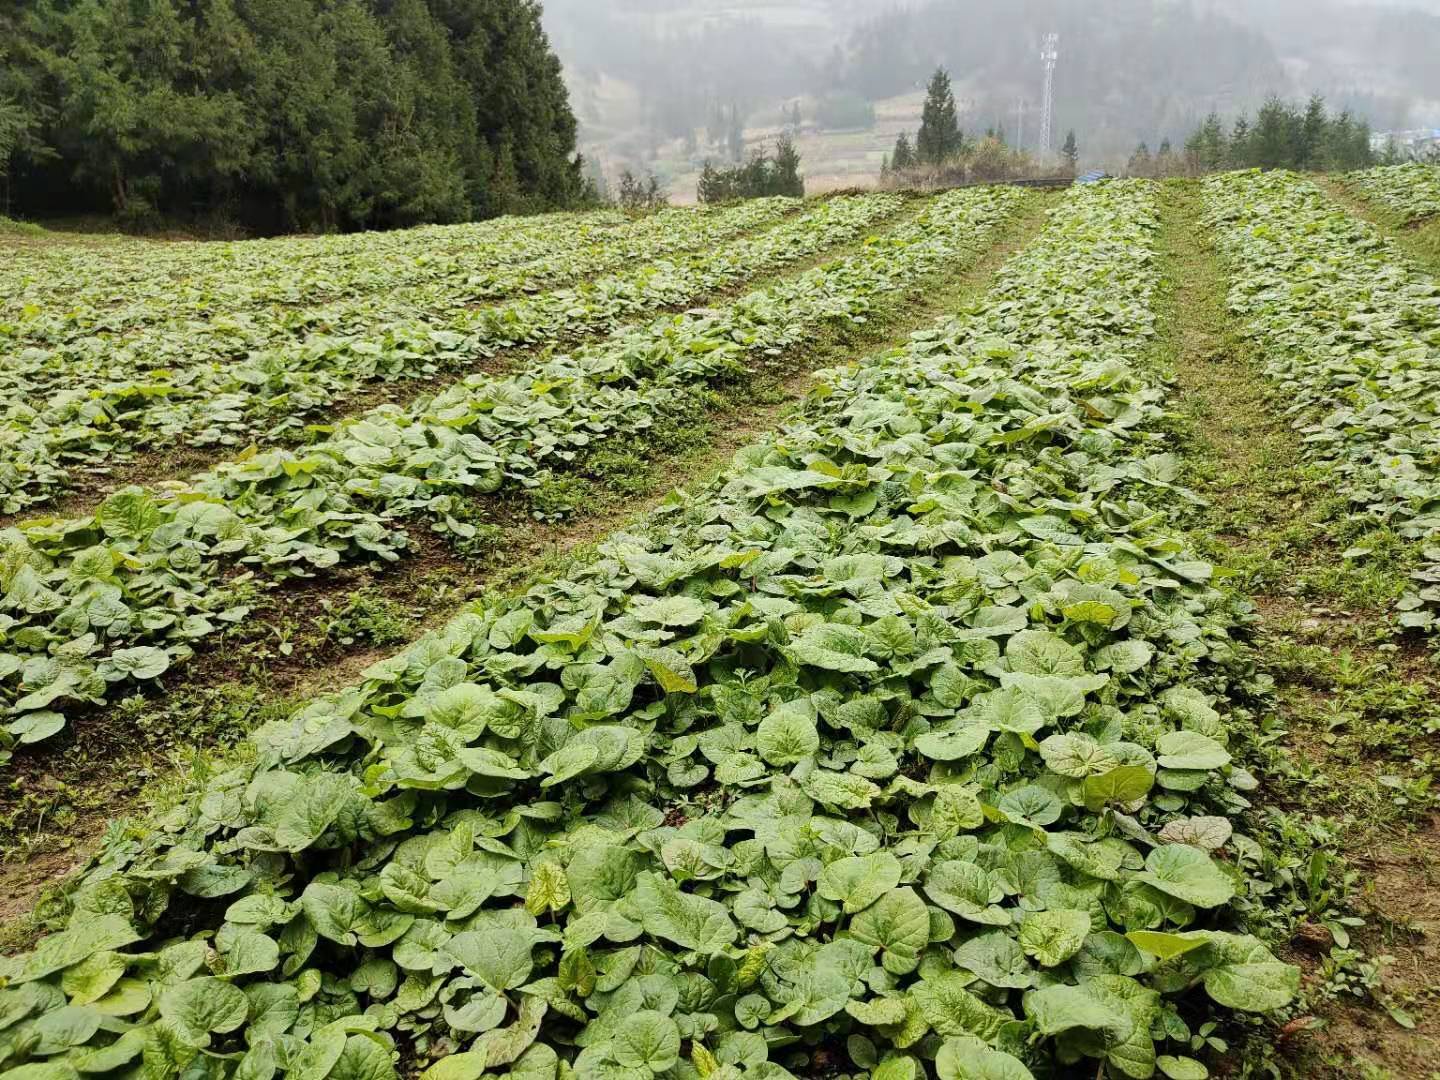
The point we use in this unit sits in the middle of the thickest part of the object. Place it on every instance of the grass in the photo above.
(11, 227)
(1423, 244)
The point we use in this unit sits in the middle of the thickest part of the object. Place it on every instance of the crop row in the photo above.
(1410, 192)
(93, 273)
(98, 402)
(1348, 330)
(368, 285)
(94, 604)
(891, 744)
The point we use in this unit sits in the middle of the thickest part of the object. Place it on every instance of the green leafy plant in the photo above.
(907, 736)
(1409, 192)
(226, 361)
(1342, 325)
(106, 600)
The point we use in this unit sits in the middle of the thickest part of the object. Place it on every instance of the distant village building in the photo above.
(1412, 143)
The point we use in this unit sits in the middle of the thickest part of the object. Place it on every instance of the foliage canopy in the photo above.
(286, 114)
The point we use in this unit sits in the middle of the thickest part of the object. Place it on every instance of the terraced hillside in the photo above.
(978, 636)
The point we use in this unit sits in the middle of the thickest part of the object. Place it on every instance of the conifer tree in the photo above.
(939, 138)
(1070, 151)
(903, 158)
(288, 113)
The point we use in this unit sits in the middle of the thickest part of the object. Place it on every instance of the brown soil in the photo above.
(1400, 895)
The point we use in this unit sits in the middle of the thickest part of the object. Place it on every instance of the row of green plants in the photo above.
(1409, 193)
(140, 336)
(64, 300)
(265, 378)
(894, 752)
(93, 605)
(1347, 328)
(97, 269)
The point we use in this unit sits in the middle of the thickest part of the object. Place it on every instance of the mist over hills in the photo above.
(652, 79)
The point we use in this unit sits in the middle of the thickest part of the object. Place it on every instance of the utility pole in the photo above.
(1049, 56)
(1020, 107)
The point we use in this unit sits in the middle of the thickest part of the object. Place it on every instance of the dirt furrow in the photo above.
(1347, 742)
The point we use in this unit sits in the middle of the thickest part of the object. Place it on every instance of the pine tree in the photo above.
(1206, 150)
(1140, 163)
(1310, 151)
(1273, 138)
(712, 187)
(1070, 151)
(13, 124)
(1240, 154)
(1164, 164)
(762, 175)
(903, 159)
(939, 138)
(296, 113)
(786, 178)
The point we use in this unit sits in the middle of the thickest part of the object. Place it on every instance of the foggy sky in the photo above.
(645, 72)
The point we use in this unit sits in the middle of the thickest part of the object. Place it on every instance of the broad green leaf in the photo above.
(549, 889)
(1187, 874)
(199, 1007)
(1122, 786)
(784, 738)
(647, 1039)
(1077, 755)
(834, 647)
(1061, 1007)
(695, 923)
(59, 951)
(998, 959)
(498, 956)
(899, 924)
(1052, 937)
(1037, 652)
(858, 881)
(1181, 1068)
(1243, 974)
(93, 977)
(952, 745)
(1166, 946)
(1190, 750)
(968, 891)
(951, 1009)
(969, 1058)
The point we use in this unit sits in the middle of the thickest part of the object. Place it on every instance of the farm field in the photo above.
(987, 635)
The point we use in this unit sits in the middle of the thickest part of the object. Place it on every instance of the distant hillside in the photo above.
(1129, 69)
(1382, 56)
(654, 81)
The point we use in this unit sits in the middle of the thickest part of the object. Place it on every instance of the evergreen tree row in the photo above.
(761, 176)
(1281, 136)
(283, 114)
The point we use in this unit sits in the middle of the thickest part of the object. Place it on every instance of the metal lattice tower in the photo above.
(1050, 56)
